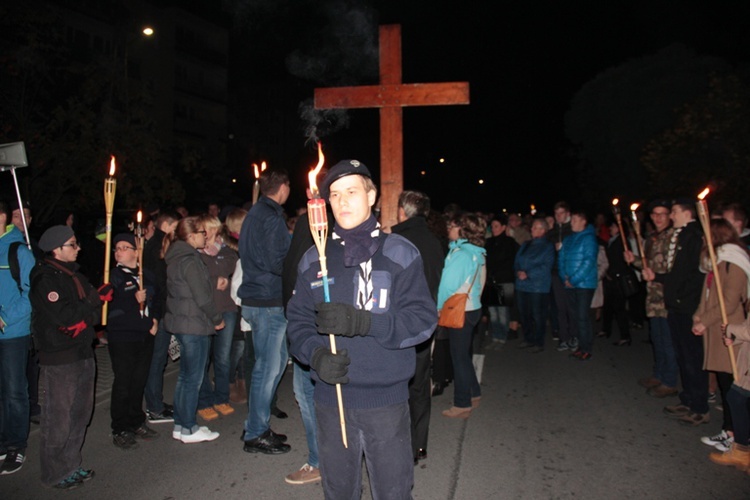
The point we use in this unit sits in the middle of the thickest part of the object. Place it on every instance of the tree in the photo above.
(709, 143)
(613, 117)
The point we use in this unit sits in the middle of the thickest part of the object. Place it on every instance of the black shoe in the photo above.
(36, 419)
(266, 443)
(622, 342)
(146, 433)
(438, 388)
(278, 413)
(278, 437)
(421, 455)
(124, 440)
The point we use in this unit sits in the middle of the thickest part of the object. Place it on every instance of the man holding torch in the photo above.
(380, 308)
(683, 282)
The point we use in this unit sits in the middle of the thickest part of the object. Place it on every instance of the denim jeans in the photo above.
(193, 356)
(465, 383)
(269, 344)
(68, 396)
(303, 393)
(14, 393)
(221, 344)
(564, 320)
(534, 308)
(665, 364)
(237, 360)
(689, 351)
(739, 405)
(579, 303)
(154, 391)
(382, 435)
(499, 318)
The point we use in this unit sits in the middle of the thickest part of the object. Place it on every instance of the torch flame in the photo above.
(112, 166)
(139, 217)
(262, 168)
(634, 207)
(314, 172)
(615, 202)
(704, 193)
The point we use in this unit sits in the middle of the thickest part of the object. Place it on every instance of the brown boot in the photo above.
(242, 388)
(737, 456)
(456, 412)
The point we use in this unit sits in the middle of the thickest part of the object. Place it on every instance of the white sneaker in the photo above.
(722, 441)
(199, 436)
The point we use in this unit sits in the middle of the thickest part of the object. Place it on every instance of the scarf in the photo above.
(360, 243)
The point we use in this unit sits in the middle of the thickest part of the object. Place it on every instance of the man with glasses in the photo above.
(65, 309)
(663, 379)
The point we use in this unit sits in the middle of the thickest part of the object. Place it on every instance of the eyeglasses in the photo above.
(123, 249)
(203, 232)
(74, 246)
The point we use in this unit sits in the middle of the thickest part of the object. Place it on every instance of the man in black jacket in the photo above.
(413, 209)
(682, 288)
(157, 410)
(65, 309)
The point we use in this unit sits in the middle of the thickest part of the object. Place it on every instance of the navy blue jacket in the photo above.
(403, 315)
(536, 258)
(264, 243)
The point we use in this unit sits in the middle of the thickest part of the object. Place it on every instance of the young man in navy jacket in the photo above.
(380, 308)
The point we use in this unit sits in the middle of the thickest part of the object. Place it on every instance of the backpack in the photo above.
(13, 265)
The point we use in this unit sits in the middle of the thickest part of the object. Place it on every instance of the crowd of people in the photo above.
(238, 293)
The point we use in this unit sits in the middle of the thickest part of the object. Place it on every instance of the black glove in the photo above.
(342, 319)
(331, 368)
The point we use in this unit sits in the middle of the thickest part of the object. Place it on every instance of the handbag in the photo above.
(174, 348)
(452, 315)
(627, 283)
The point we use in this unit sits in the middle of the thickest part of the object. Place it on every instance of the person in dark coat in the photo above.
(499, 294)
(413, 210)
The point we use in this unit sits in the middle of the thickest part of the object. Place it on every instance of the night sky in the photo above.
(524, 62)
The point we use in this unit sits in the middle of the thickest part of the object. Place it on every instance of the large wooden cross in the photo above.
(391, 96)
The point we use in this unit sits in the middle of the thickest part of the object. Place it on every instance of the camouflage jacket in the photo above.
(656, 248)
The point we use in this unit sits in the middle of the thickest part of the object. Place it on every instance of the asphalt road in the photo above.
(549, 427)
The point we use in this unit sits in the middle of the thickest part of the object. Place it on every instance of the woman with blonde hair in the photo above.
(192, 317)
(221, 261)
(464, 272)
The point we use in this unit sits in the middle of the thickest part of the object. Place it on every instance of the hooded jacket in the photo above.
(15, 307)
(190, 297)
(577, 259)
(461, 264)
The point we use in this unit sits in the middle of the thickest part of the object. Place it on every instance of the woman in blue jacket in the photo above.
(533, 267)
(464, 271)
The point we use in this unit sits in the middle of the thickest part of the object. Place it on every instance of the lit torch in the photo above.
(618, 216)
(256, 186)
(702, 209)
(637, 230)
(139, 250)
(318, 217)
(110, 185)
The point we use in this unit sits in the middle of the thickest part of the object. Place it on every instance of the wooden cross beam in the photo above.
(391, 96)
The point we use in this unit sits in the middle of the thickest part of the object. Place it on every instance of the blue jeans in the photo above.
(193, 356)
(739, 405)
(155, 383)
(534, 308)
(499, 318)
(579, 303)
(237, 360)
(465, 383)
(14, 393)
(222, 347)
(303, 393)
(269, 343)
(665, 364)
(382, 435)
